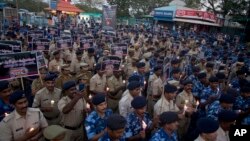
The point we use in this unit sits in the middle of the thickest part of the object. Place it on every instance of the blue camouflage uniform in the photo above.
(235, 84)
(244, 105)
(94, 124)
(161, 135)
(4, 108)
(198, 87)
(106, 137)
(142, 77)
(206, 93)
(134, 124)
(214, 109)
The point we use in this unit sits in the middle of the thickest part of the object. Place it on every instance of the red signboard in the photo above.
(195, 15)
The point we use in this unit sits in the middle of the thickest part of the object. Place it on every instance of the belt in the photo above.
(113, 98)
(72, 128)
(51, 118)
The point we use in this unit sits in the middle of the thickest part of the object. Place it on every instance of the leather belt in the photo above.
(72, 128)
(51, 118)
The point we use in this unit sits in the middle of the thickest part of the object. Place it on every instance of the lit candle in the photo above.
(123, 66)
(90, 96)
(107, 89)
(6, 114)
(87, 106)
(31, 129)
(185, 108)
(239, 111)
(144, 125)
(52, 102)
(186, 101)
(58, 68)
(197, 104)
(94, 65)
(123, 81)
(145, 82)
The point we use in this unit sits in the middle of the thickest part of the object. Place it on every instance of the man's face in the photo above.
(141, 70)
(117, 73)
(188, 88)
(50, 85)
(214, 85)
(170, 96)
(43, 74)
(71, 92)
(210, 136)
(101, 108)
(141, 111)
(158, 73)
(116, 134)
(21, 106)
(135, 92)
(173, 126)
(57, 56)
(176, 75)
(65, 71)
(4, 94)
(227, 106)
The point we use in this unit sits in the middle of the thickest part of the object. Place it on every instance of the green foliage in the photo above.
(193, 3)
(87, 8)
(122, 7)
(31, 5)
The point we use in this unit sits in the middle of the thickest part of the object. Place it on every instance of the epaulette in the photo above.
(8, 117)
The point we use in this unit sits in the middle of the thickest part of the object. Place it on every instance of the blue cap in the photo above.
(213, 79)
(91, 50)
(227, 98)
(133, 85)
(227, 116)
(50, 77)
(207, 125)
(202, 75)
(168, 117)
(4, 85)
(174, 71)
(116, 122)
(98, 99)
(69, 84)
(170, 88)
(139, 102)
(15, 96)
(157, 68)
(140, 65)
(186, 82)
(134, 78)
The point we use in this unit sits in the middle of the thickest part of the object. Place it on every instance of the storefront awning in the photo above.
(195, 22)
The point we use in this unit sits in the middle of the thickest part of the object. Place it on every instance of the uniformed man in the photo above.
(141, 72)
(23, 124)
(169, 125)
(84, 70)
(72, 107)
(146, 57)
(139, 123)
(95, 123)
(90, 59)
(75, 64)
(38, 83)
(130, 69)
(64, 76)
(125, 108)
(98, 81)
(207, 128)
(116, 87)
(5, 106)
(166, 103)
(115, 128)
(54, 133)
(106, 53)
(226, 120)
(209, 70)
(47, 98)
(56, 64)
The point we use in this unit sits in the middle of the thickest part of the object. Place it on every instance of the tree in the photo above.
(193, 3)
(122, 7)
(87, 8)
(31, 5)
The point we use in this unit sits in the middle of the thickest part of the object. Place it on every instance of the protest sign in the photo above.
(119, 50)
(5, 49)
(109, 16)
(41, 44)
(54, 32)
(111, 62)
(16, 45)
(40, 60)
(18, 65)
(86, 42)
(35, 34)
(64, 42)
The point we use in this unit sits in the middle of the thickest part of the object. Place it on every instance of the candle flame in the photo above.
(197, 103)
(124, 81)
(87, 106)
(52, 102)
(144, 125)
(31, 129)
(186, 101)
(185, 107)
(90, 96)
(6, 114)
(107, 89)
(145, 82)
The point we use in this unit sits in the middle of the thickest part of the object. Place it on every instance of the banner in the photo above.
(64, 42)
(18, 65)
(41, 44)
(40, 60)
(194, 14)
(119, 50)
(86, 42)
(54, 32)
(109, 17)
(16, 45)
(111, 62)
(5, 49)
(35, 34)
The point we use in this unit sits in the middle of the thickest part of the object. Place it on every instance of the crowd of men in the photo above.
(180, 85)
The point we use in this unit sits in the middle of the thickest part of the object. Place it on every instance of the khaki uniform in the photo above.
(55, 66)
(199, 139)
(163, 105)
(43, 99)
(90, 61)
(72, 121)
(125, 104)
(62, 79)
(37, 85)
(222, 135)
(180, 101)
(75, 66)
(138, 53)
(131, 70)
(87, 73)
(98, 83)
(150, 105)
(14, 125)
(113, 84)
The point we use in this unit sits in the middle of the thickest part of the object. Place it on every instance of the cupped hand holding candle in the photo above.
(144, 125)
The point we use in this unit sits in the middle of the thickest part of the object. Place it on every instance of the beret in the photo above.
(213, 79)
(202, 75)
(157, 68)
(15, 96)
(196, 69)
(69, 84)
(134, 78)
(220, 75)
(170, 88)
(227, 116)
(4, 85)
(186, 82)
(139, 102)
(240, 72)
(79, 52)
(50, 77)
(210, 65)
(176, 71)
(240, 59)
(227, 98)
(98, 67)
(207, 125)
(168, 117)
(53, 131)
(133, 85)
(140, 65)
(175, 61)
(56, 52)
(98, 99)
(116, 121)
(91, 50)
